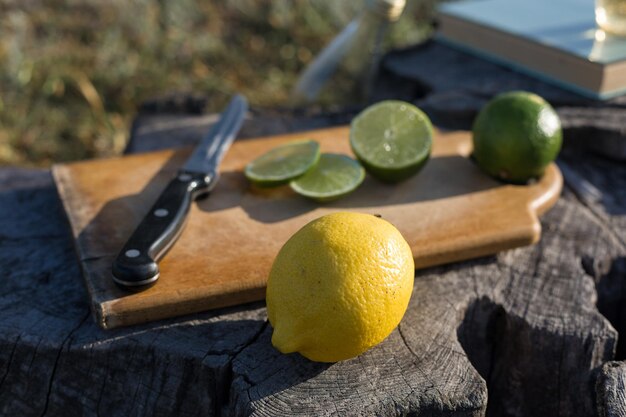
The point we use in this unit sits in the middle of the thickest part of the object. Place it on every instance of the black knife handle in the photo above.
(136, 265)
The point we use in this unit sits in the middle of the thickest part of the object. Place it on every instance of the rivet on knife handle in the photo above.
(136, 264)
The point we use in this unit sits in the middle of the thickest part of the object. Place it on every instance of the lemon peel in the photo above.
(339, 286)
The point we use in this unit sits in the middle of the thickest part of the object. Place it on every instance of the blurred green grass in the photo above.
(72, 73)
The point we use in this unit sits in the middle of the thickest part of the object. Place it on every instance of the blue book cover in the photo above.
(567, 26)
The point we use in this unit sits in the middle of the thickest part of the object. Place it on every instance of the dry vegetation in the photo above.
(72, 72)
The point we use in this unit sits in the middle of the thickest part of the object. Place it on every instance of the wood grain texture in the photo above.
(449, 212)
(529, 329)
(55, 361)
(611, 390)
(517, 334)
(514, 334)
(525, 320)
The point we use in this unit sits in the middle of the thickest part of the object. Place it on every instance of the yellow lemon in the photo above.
(339, 286)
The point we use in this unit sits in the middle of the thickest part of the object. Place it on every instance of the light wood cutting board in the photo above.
(450, 211)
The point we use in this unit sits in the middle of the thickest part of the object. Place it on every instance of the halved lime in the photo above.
(334, 176)
(392, 139)
(283, 163)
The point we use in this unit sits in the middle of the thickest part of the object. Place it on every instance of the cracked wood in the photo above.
(514, 334)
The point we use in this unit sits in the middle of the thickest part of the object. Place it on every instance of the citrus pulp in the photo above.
(392, 139)
(333, 177)
(283, 163)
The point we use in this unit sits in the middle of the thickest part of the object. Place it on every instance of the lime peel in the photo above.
(339, 286)
(282, 164)
(515, 137)
(392, 139)
(334, 176)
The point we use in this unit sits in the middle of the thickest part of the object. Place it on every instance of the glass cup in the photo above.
(611, 16)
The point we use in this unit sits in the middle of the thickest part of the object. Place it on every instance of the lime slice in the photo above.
(284, 163)
(392, 139)
(334, 176)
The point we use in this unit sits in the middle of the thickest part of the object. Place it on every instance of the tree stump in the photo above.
(529, 332)
(611, 390)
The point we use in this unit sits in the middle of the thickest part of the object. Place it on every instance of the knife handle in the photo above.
(136, 265)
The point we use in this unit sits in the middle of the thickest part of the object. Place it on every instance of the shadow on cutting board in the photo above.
(444, 177)
(441, 178)
(110, 228)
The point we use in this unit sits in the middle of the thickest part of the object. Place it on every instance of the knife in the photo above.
(136, 265)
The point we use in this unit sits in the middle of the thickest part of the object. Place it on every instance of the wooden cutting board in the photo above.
(450, 211)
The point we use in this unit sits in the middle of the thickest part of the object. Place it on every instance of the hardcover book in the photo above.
(557, 41)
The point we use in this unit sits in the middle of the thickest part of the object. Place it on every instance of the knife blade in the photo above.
(136, 265)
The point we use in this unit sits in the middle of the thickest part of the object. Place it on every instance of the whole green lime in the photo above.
(516, 135)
